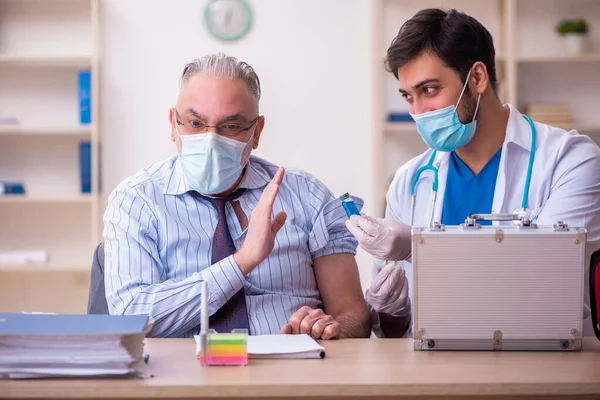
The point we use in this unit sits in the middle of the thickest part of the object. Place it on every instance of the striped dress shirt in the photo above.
(158, 241)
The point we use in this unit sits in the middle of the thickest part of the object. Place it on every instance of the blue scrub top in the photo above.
(468, 194)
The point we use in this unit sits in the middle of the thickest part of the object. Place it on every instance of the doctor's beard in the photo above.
(467, 107)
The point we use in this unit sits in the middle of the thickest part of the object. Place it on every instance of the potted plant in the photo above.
(574, 31)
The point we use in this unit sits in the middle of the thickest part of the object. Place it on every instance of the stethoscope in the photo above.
(429, 167)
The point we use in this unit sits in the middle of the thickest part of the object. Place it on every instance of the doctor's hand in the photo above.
(260, 238)
(313, 322)
(388, 292)
(386, 239)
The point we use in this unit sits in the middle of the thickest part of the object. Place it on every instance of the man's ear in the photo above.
(173, 122)
(480, 79)
(260, 124)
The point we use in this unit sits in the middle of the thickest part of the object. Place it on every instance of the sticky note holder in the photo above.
(224, 348)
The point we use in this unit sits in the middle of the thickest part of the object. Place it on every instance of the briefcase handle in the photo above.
(595, 291)
(524, 219)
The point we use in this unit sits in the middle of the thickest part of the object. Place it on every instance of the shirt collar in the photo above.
(255, 177)
(518, 130)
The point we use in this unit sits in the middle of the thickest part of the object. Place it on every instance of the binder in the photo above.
(71, 324)
(85, 166)
(85, 97)
(72, 345)
(11, 188)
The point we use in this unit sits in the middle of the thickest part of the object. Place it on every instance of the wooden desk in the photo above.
(366, 368)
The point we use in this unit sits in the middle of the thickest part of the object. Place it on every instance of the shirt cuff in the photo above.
(224, 279)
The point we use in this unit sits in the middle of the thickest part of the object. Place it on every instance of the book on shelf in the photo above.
(549, 108)
(85, 97)
(10, 121)
(85, 166)
(399, 116)
(24, 257)
(10, 188)
(550, 113)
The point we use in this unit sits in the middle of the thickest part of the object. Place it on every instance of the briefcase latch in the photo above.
(499, 235)
(437, 227)
(560, 226)
(497, 340)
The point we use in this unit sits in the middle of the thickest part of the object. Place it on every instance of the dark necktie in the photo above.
(234, 313)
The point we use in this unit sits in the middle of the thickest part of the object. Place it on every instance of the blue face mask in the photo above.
(212, 163)
(442, 130)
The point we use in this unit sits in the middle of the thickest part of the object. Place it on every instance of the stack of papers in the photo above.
(60, 345)
(281, 346)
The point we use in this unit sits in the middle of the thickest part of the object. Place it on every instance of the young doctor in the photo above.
(484, 156)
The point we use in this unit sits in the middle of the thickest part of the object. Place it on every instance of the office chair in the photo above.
(97, 297)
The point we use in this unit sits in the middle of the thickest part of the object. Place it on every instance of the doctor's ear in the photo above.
(480, 79)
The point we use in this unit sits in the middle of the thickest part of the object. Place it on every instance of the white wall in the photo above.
(313, 58)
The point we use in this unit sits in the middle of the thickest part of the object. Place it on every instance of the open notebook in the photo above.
(282, 346)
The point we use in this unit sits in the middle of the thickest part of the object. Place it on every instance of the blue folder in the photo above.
(85, 166)
(85, 97)
(71, 324)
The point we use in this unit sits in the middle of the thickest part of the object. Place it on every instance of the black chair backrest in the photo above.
(595, 291)
(97, 297)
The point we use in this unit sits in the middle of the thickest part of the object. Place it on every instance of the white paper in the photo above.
(282, 346)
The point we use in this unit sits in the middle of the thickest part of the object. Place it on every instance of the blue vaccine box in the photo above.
(349, 205)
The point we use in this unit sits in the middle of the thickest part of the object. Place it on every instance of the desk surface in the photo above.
(358, 368)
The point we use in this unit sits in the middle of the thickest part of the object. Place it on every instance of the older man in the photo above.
(272, 246)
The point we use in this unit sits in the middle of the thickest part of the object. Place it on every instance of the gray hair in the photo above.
(220, 64)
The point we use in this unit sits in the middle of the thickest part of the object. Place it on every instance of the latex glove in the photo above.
(386, 239)
(388, 292)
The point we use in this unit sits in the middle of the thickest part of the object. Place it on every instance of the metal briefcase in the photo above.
(509, 287)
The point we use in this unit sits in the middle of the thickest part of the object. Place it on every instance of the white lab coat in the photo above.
(565, 182)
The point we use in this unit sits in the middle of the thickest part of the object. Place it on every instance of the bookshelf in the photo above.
(81, 132)
(46, 61)
(531, 63)
(584, 58)
(43, 46)
(29, 199)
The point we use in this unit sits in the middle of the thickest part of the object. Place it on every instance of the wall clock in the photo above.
(228, 19)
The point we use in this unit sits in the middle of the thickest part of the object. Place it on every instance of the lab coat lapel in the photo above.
(441, 163)
(518, 133)
(500, 189)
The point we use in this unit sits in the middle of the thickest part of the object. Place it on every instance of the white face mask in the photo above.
(212, 163)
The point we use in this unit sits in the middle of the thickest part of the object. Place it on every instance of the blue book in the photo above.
(85, 166)
(399, 117)
(85, 97)
(71, 324)
(11, 188)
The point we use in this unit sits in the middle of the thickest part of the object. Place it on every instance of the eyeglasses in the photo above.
(196, 126)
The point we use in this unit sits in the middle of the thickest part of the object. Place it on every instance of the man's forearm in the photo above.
(175, 305)
(355, 323)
